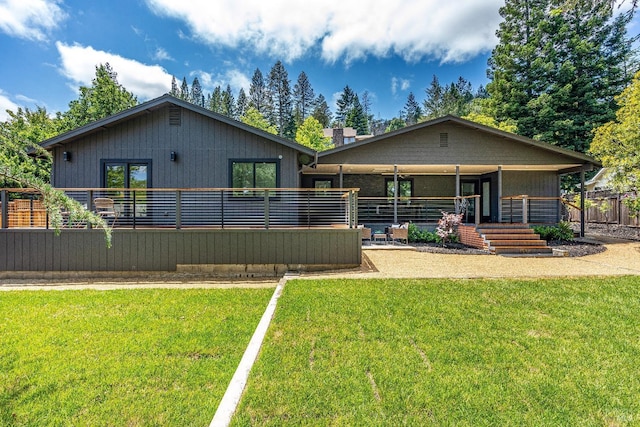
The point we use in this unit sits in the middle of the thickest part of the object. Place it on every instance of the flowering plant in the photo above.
(447, 226)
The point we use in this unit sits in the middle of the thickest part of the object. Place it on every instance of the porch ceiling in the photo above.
(386, 169)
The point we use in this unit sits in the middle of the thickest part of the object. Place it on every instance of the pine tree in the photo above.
(344, 105)
(434, 103)
(184, 89)
(365, 100)
(281, 102)
(259, 94)
(174, 87)
(242, 103)
(412, 111)
(321, 111)
(228, 103)
(195, 96)
(215, 103)
(356, 117)
(303, 98)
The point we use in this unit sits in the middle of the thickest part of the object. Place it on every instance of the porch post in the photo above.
(4, 200)
(341, 184)
(582, 194)
(500, 193)
(457, 203)
(395, 194)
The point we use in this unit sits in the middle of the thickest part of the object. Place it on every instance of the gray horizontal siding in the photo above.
(164, 250)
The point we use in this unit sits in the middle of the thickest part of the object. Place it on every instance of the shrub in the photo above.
(447, 229)
(562, 231)
(417, 235)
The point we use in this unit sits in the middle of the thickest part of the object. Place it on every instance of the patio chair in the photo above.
(366, 234)
(105, 207)
(400, 233)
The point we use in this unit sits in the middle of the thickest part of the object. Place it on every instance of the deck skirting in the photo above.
(24, 250)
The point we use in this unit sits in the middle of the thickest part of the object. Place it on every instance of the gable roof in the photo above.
(155, 104)
(583, 158)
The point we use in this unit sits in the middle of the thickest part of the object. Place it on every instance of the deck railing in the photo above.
(416, 209)
(190, 208)
(531, 209)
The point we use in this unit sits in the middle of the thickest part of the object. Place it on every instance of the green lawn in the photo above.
(126, 357)
(450, 352)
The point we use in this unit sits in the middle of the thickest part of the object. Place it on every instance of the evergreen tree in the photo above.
(434, 103)
(174, 87)
(184, 89)
(259, 94)
(344, 105)
(228, 103)
(242, 103)
(557, 68)
(215, 103)
(303, 98)
(104, 98)
(195, 96)
(356, 117)
(412, 111)
(366, 108)
(281, 102)
(321, 111)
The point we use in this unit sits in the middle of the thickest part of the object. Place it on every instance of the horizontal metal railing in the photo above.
(416, 209)
(531, 209)
(201, 207)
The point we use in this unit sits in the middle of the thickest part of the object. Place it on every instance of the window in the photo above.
(254, 174)
(321, 183)
(405, 187)
(128, 174)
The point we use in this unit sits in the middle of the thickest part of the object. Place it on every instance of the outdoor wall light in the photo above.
(66, 156)
(173, 156)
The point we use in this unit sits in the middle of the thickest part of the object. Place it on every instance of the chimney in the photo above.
(338, 137)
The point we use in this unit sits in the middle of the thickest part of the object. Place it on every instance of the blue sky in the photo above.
(388, 48)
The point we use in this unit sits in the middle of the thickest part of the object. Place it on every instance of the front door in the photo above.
(469, 188)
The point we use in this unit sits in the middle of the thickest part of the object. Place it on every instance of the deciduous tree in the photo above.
(617, 143)
(310, 135)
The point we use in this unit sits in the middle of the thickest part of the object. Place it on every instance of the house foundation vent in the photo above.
(175, 115)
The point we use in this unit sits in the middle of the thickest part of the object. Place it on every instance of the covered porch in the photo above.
(393, 193)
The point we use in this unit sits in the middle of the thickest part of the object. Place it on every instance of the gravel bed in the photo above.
(612, 230)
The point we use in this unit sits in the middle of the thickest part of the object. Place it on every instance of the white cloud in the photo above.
(30, 19)
(78, 64)
(161, 55)
(288, 29)
(399, 84)
(6, 104)
(233, 77)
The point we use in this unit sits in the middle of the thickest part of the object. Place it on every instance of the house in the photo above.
(191, 189)
(195, 188)
(600, 181)
(450, 164)
(343, 136)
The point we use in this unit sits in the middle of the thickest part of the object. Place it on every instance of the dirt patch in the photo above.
(576, 248)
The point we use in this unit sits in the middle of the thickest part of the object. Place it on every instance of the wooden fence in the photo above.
(605, 207)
